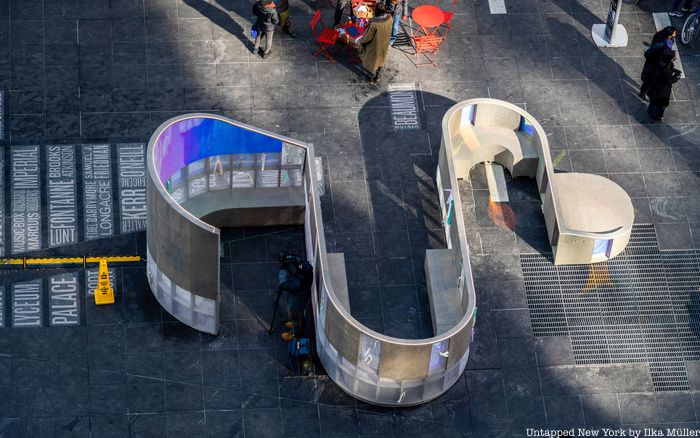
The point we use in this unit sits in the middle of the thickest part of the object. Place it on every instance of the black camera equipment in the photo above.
(289, 261)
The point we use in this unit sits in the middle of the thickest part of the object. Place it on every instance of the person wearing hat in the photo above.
(297, 283)
(266, 18)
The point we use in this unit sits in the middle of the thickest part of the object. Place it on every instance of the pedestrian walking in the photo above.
(677, 10)
(662, 40)
(374, 44)
(266, 18)
(399, 9)
(662, 78)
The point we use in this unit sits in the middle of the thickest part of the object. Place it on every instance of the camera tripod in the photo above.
(274, 328)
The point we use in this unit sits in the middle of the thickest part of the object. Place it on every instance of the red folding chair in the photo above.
(449, 15)
(428, 47)
(327, 37)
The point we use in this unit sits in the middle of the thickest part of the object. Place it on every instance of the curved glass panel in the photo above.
(189, 140)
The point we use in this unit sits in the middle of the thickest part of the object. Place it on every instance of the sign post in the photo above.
(610, 34)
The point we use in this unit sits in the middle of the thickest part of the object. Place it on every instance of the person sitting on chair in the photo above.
(296, 280)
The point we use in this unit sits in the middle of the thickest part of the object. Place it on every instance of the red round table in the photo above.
(428, 16)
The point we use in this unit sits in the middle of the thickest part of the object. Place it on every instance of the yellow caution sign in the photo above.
(104, 294)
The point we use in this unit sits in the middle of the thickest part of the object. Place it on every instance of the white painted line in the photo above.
(497, 6)
(661, 20)
(497, 182)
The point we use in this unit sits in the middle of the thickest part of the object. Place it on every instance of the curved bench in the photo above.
(588, 217)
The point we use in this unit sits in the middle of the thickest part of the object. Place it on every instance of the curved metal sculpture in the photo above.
(183, 255)
(207, 170)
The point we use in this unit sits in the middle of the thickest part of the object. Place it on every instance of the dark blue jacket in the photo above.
(266, 18)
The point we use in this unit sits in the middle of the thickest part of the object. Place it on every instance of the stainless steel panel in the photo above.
(459, 344)
(344, 337)
(404, 362)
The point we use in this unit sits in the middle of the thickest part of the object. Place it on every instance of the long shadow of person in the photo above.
(221, 19)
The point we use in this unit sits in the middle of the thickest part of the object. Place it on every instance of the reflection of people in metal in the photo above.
(218, 167)
(296, 279)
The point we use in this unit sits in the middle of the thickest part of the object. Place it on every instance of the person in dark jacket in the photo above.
(266, 20)
(399, 9)
(660, 83)
(662, 40)
(340, 6)
(297, 285)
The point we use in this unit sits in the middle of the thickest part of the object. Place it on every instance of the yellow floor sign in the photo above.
(104, 294)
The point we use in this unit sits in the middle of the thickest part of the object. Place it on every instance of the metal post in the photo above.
(610, 34)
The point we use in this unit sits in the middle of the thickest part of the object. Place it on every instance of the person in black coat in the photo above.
(266, 18)
(296, 282)
(662, 40)
(661, 80)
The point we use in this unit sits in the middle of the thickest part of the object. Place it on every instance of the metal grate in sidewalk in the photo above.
(642, 306)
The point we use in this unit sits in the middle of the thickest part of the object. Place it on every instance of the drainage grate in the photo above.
(642, 306)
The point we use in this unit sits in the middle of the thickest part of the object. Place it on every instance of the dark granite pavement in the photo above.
(100, 71)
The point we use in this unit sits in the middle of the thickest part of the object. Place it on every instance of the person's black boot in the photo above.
(375, 78)
(265, 55)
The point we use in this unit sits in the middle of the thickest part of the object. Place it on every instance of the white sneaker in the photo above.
(678, 14)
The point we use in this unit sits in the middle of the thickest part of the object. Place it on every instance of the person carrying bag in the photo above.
(266, 20)
(661, 82)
